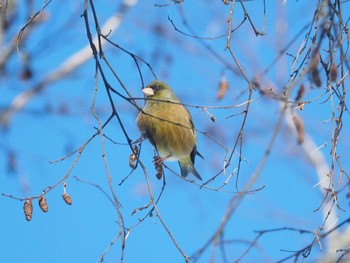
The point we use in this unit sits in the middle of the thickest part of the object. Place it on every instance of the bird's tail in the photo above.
(187, 167)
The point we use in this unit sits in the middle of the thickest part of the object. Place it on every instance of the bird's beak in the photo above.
(148, 92)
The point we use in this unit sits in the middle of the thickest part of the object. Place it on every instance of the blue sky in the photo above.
(60, 120)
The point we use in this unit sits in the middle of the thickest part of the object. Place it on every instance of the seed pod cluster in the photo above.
(28, 203)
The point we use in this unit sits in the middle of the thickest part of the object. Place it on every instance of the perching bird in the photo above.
(168, 125)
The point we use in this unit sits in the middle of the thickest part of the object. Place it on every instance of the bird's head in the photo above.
(159, 90)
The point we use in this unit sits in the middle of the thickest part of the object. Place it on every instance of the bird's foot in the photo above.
(157, 160)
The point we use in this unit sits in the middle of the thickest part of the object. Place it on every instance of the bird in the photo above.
(168, 126)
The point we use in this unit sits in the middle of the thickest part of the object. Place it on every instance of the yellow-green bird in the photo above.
(168, 125)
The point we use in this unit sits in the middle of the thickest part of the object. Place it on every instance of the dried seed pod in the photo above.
(212, 117)
(26, 74)
(315, 75)
(43, 204)
(256, 84)
(315, 58)
(28, 209)
(132, 157)
(300, 93)
(333, 72)
(223, 87)
(299, 128)
(66, 197)
(158, 164)
(159, 173)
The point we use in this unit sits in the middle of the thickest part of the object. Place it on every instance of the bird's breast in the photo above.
(169, 128)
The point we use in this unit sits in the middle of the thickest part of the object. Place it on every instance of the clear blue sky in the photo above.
(60, 120)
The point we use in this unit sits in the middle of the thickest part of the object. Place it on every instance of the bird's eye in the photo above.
(157, 88)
